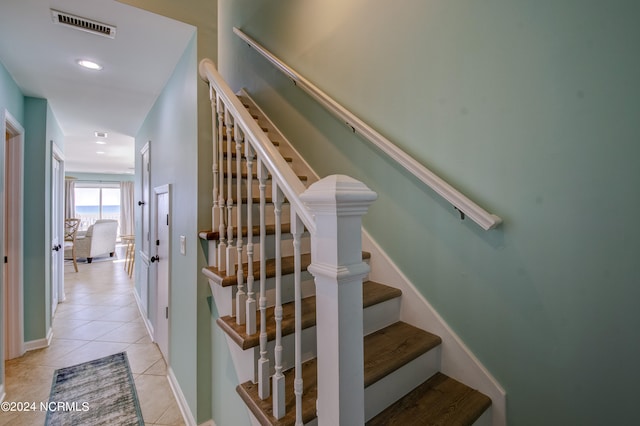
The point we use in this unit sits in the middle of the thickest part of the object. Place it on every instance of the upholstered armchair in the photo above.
(98, 240)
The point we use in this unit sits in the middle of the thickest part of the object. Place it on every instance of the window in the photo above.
(97, 201)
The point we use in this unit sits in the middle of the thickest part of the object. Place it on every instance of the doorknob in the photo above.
(141, 203)
(56, 248)
(155, 259)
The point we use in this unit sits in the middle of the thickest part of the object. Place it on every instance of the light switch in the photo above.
(183, 245)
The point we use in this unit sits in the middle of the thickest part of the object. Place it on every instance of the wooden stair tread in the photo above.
(245, 341)
(224, 140)
(234, 155)
(372, 293)
(287, 266)
(389, 349)
(269, 230)
(263, 127)
(440, 400)
(263, 409)
(254, 176)
(407, 336)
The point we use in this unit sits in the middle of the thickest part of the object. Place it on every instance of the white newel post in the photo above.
(338, 203)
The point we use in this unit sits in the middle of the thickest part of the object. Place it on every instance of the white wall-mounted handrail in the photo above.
(288, 181)
(466, 206)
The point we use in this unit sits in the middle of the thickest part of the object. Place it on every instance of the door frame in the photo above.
(164, 264)
(13, 223)
(57, 155)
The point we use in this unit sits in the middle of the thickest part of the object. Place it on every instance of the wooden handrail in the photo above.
(462, 203)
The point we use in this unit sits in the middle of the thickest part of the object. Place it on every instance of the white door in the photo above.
(57, 239)
(161, 261)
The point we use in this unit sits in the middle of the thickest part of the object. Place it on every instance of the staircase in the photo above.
(278, 354)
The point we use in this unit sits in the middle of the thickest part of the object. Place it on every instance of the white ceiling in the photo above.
(41, 57)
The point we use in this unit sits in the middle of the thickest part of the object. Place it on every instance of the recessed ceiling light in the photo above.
(89, 64)
(100, 152)
(100, 134)
(101, 142)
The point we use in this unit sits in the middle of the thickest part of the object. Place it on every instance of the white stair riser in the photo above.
(381, 315)
(212, 257)
(245, 361)
(486, 419)
(286, 248)
(255, 188)
(389, 389)
(225, 297)
(243, 166)
(255, 208)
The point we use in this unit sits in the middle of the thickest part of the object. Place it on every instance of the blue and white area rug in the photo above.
(98, 392)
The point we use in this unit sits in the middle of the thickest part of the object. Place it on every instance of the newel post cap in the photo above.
(338, 193)
(202, 68)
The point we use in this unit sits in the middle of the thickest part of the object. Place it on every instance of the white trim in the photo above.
(143, 314)
(476, 213)
(3, 394)
(187, 416)
(457, 360)
(39, 343)
(159, 190)
(57, 155)
(15, 269)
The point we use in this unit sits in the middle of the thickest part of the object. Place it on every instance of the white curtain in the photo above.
(126, 208)
(69, 198)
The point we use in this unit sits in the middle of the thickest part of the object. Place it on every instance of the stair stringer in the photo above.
(457, 360)
(299, 164)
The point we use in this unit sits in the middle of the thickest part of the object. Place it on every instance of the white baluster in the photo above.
(278, 377)
(251, 300)
(264, 389)
(216, 140)
(230, 268)
(241, 296)
(296, 230)
(223, 118)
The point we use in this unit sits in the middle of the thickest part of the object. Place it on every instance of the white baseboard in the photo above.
(3, 394)
(457, 360)
(182, 401)
(39, 343)
(143, 315)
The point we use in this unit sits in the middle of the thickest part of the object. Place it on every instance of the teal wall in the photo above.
(171, 128)
(37, 248)
(531, 109)
(11, 97)
(41, 130)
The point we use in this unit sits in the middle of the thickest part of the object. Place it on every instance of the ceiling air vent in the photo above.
(83, 24)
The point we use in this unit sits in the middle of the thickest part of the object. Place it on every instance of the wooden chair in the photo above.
(71, 226)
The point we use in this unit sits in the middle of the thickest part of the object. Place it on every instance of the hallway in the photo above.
(99, 317)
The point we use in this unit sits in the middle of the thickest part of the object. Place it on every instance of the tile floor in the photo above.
(99, 317)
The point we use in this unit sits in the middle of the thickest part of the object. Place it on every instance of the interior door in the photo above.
(161, 261)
